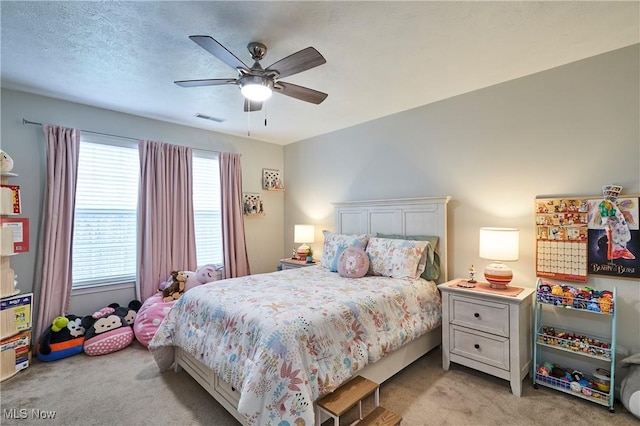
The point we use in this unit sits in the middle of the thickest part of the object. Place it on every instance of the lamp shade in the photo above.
(499, 244)
(303, 234)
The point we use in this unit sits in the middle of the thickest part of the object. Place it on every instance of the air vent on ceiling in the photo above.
(208, 117)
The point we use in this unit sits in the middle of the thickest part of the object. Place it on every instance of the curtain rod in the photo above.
(25, 122)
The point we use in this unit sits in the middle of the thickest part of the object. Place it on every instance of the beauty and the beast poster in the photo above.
(614, 237)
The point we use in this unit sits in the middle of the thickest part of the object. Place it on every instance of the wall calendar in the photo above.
(562, 238)
(591, 235)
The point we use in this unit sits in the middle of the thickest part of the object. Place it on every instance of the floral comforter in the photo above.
(284, 339)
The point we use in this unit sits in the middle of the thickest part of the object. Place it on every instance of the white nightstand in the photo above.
(488, 332)
(294, 263)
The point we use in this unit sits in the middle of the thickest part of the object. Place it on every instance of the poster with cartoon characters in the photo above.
(561, 238)
(614, 235)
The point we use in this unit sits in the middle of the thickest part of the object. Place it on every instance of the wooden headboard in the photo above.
(408, 216)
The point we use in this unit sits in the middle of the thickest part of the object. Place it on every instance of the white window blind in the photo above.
(104, 236)
(206, 208)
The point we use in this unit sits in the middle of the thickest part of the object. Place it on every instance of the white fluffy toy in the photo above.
(6, 162)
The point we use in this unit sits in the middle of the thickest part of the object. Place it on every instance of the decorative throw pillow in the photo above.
(334, 245)
(432, 257)
(353, 263)
(395, 258)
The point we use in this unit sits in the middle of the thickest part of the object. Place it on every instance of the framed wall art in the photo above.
(272, 180)
(614, 236)
(253, 204)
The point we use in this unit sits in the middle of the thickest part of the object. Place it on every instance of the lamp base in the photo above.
(498, 275)
(303, 250)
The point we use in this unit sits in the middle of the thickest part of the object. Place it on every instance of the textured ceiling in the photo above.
(382, 57)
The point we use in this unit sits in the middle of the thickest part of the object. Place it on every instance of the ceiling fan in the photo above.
(257, 83)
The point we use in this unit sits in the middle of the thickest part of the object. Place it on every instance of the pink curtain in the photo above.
(236, 260)
(166, 235)
(62, 150)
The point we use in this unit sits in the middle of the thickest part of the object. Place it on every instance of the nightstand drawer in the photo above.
(478, 314)
(482, 347)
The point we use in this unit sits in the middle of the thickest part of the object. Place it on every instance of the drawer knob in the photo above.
(477, 315)
(477, 346)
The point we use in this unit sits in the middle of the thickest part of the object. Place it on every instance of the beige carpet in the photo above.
(126, 388)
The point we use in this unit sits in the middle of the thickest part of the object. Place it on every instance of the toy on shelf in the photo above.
(6, 162)
(573, 381)
(584, 298)
(552, 336)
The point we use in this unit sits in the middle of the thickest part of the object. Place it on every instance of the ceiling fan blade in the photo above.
(297, 62)
(250, 106)
(299, 92)
(219, 51)
(206, 82)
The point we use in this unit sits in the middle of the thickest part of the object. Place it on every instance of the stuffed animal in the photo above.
(62, 339)
(129, 312)
(155, 308)
(106, 332)
(204, 274)
(176, 288)
(630, 387)
(6, 162)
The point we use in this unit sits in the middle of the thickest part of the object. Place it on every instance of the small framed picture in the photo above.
(253, 204)
(271, 179)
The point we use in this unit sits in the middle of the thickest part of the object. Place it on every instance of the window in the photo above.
(104, 234)
(206, 207)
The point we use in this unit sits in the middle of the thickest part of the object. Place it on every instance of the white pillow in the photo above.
(334, 245)
(396, 258)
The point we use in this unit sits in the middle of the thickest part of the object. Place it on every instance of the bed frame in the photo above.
(410, 216)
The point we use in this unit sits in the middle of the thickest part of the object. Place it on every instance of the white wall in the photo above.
(25, 144)
(565, 131)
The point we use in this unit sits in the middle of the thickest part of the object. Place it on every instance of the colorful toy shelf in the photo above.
(590, 350)
(585, 392)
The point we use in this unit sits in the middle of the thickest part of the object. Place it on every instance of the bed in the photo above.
(267, 346)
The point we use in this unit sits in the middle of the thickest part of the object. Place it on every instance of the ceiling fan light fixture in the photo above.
(256, 88)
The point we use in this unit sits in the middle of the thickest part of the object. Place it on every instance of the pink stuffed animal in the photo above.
(203, 275)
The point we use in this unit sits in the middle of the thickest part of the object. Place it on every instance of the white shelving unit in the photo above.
(15, 309)
(579, 354)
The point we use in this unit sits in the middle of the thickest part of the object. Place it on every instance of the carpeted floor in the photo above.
(126, 388)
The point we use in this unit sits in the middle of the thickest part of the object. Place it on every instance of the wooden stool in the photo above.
(346, 396)
(381, 417)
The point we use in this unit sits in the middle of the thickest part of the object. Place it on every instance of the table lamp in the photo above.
(499, 245)
(303, 234)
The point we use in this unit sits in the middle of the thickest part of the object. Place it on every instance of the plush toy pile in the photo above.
(114, 327)
(105, 331)
(155, 308)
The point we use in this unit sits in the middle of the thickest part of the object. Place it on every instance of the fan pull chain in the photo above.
(249, 120)
(265, 114)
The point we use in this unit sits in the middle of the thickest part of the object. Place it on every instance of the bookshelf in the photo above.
(15, 308)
